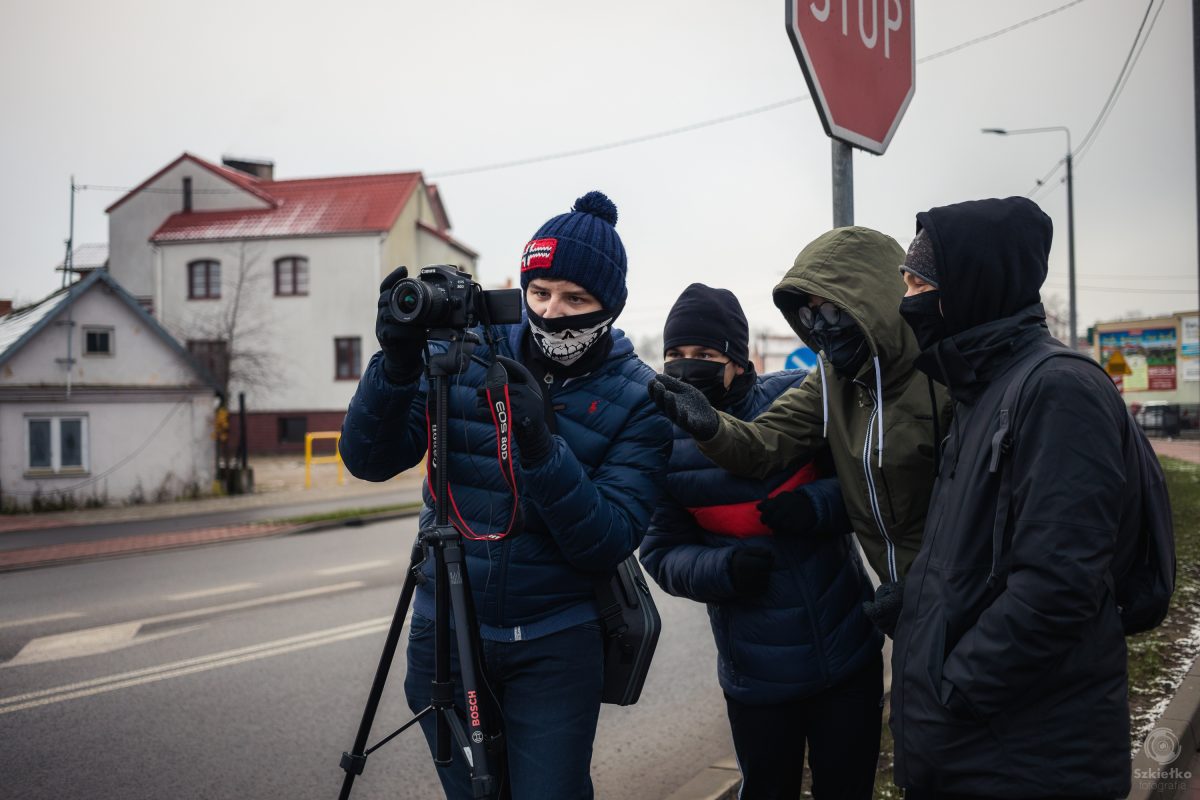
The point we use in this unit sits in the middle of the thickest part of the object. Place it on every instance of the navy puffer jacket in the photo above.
(585, 508)
(807, 632)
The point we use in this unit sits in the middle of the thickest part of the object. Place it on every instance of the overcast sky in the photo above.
(112, 91)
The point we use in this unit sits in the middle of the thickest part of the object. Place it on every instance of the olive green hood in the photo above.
(858, 270)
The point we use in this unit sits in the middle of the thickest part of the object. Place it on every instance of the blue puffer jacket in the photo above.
(807, 632)
(585, 508)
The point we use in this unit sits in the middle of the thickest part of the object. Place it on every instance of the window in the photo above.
(291, 276)
(348, 354)
(213, 355)
(57, 444)
(97, 341)
(292, 430)
(204, 280)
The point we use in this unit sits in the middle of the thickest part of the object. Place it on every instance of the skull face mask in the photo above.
(564, 340)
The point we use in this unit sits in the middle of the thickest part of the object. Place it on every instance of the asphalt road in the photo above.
(240, 671)
(73, 534)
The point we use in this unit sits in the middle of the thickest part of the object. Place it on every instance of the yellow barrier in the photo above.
(309, 460)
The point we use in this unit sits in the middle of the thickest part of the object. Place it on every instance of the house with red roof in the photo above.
(272, 284)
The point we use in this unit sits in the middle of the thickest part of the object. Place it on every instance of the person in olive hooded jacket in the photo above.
(866, 401)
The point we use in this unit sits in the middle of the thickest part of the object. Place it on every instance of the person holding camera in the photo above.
(797, 658)
(866, 402)
(591, 455)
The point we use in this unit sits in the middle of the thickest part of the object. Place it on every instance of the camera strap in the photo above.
(500, 406)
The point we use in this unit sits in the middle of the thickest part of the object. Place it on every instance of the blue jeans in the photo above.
(549, 692)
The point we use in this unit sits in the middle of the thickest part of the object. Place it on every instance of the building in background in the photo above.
(272, 284)
(1155, 362)
(99, 404)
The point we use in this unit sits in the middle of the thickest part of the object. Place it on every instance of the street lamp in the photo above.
(1070, 216)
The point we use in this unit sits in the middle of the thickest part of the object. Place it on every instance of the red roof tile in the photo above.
(307, 207)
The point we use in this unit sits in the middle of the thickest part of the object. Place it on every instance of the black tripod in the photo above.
(442, 543)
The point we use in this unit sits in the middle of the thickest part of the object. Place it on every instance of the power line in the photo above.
(708, 123)
(1135, 50)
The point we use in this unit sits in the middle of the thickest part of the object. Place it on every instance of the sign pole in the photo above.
(843, 184)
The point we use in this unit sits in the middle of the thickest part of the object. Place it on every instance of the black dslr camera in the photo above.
(443, 296)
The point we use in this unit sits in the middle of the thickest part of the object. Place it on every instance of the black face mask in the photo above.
(566, 340)
(923, 314)
(707, 376)
(844, 344)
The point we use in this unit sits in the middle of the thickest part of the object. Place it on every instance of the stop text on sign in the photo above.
(858, 60)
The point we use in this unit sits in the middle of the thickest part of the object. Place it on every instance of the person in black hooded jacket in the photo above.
(1010, 672)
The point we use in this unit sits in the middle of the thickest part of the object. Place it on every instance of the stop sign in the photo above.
(858, 59)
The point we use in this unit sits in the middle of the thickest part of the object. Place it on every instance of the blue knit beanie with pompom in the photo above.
(581, 246)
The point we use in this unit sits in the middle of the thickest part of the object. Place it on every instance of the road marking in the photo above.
(365, 565)
(106, 638)
(35, 620)
(230, 589)
(229, 658)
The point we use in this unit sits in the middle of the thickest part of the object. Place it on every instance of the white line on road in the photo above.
(35, 620)
(365, 565)
(125, 680)
(230, 589)
(106, 638)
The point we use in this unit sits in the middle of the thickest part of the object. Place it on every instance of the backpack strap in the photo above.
(1002, 445)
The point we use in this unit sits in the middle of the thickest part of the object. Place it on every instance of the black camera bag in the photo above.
(631, 626)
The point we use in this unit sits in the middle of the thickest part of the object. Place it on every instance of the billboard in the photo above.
(1189, 349)
(1150, 355)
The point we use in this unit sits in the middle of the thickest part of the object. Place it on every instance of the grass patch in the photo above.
(1159, 659)
(347, 513)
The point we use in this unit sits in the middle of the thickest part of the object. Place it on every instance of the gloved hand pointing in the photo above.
(685, 405)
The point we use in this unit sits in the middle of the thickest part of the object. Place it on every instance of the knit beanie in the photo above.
(711, 318)
(920, 261)
(581, 246)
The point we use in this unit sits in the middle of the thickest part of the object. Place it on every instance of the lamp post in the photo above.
(1074, 336)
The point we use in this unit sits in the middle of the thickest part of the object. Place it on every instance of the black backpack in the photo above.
(1142, 577)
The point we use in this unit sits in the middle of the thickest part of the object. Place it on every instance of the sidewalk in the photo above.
(57, 537)
(1182, 449)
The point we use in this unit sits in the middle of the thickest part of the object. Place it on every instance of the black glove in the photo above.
(750, 569)
(401, 344)
(884, 610)
(534, 440)
(685, 405)
(789, 513)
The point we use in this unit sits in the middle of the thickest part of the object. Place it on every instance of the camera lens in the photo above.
(415, 302)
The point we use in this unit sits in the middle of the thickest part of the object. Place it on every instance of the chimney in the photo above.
(258, 168)
(187, 194)
(5, 307)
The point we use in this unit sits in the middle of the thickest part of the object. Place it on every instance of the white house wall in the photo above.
(131, 224)
(140, 356)
(298, 332)
(151, 450)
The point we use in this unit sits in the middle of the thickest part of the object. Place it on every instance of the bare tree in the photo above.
(1058, 317)
(232, 339)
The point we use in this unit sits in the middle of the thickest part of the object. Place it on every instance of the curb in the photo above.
(719, 781)
(58, 555)
(1182, 719)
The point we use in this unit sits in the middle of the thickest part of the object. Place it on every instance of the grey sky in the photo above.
(113, 91)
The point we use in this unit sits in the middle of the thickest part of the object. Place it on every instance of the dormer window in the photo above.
(204, 280)
(291, 276)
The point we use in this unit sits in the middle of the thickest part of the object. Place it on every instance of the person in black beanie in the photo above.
(798, 659)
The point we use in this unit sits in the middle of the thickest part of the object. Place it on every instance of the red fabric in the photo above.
(539, 254)
(741, 520)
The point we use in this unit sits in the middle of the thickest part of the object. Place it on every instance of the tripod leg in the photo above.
(483, 780)
(354, 761)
